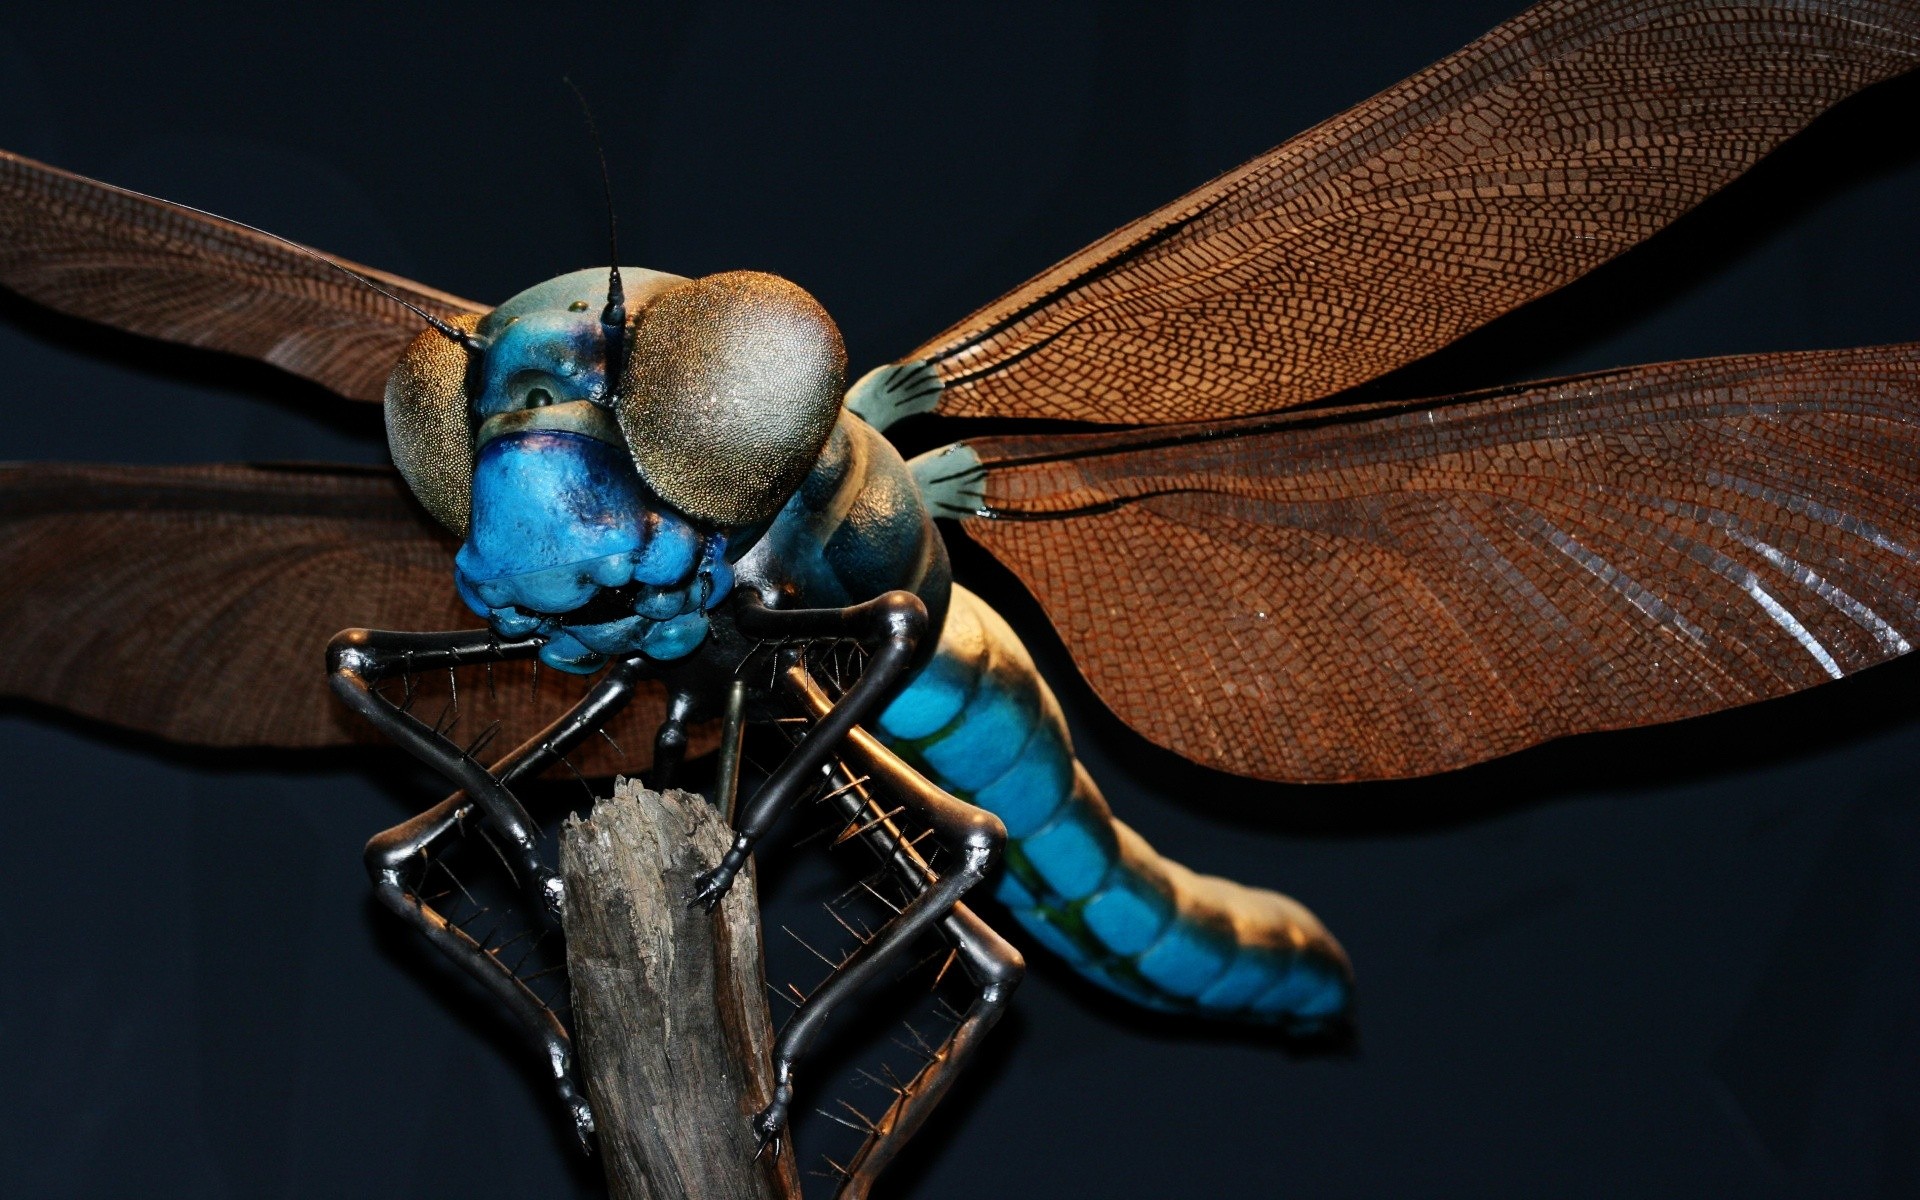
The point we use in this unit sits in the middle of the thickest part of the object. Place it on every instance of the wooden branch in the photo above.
(674, 1038)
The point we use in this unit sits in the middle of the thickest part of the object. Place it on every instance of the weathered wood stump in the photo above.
(673, 1034)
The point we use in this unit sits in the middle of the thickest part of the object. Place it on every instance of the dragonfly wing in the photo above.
(1547, 147)
(1388, 591)
(168, 271)
(196, 603)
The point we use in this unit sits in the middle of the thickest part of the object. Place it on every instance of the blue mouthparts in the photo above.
(560, 524)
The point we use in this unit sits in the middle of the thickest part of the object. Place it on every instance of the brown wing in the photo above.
(1501, 173)
(1391, 591)
(168, 271)
(196, 603)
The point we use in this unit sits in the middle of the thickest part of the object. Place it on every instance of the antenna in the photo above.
(613, 318)
(453, 333)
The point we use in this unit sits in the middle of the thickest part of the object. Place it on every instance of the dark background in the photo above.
(1679, 962)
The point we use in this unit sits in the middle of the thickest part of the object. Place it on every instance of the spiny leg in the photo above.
(397, 860)
(977, 837)
(991, 964)
(357, 659)
(891, 626)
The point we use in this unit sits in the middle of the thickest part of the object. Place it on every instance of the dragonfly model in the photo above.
(664, 487)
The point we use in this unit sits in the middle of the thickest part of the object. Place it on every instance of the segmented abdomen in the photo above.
(979, 721)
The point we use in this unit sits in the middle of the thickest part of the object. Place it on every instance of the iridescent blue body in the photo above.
(567, 541)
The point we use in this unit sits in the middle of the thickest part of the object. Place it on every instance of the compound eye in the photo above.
(427, 433)
(728, 393)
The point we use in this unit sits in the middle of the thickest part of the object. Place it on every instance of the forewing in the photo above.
(1382, 592)
(171, 272)
(1501, 173)
(196, 603)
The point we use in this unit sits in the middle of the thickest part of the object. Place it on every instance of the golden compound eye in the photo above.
(728, 392)
(427, 432)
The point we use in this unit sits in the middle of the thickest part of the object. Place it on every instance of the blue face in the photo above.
(565, 539)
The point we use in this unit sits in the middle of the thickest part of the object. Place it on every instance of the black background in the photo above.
(1678, 962)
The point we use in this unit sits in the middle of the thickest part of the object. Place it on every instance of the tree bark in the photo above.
(673, 1034)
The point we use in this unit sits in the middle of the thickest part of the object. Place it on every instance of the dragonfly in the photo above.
(1008, 515)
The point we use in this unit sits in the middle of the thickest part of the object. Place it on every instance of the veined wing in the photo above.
(168, 271)
(196, 603)
(1499, 174)
(1387, 591)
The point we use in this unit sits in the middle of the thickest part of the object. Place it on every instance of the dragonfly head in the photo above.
(602, 475)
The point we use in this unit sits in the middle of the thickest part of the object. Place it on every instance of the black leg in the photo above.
(359, 658)
(977, 837)
(397, 858)
(996, 968)
(733, 729)
(990, 963)
(670, 743)
(891, 626)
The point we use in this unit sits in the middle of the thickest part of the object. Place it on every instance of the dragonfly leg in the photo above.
(977, 837)
(670, 743)
(397, 859)
(990, 962)
(360, 658)
(995, 968)
(891, 626)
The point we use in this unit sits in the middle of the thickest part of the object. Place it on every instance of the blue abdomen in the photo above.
(979, 721)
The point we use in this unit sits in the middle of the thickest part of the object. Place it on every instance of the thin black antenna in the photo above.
(452, 333)
(613, 318)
